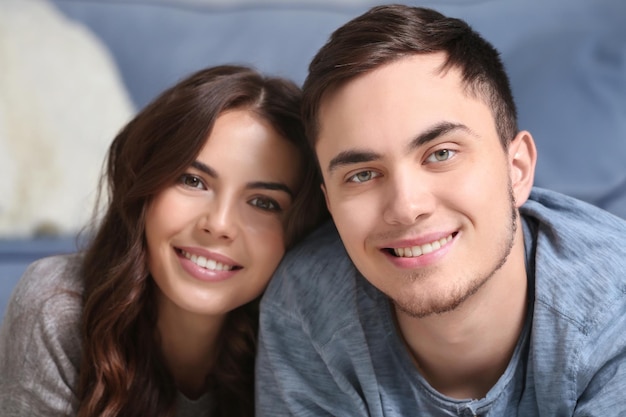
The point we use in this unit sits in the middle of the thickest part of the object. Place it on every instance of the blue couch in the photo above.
(566, 59)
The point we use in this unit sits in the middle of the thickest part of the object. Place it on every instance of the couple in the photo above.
(446, 285)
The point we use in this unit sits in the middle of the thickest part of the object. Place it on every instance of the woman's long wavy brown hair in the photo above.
(122, 372)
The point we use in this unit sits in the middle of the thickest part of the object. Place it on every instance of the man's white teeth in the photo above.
(207, 263)
(422, 249)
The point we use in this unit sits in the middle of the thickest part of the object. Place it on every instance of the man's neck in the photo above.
(463, 353)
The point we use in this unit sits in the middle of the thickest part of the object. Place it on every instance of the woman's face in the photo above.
(216, 236)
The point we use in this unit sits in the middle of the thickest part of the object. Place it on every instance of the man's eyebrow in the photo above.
(265, 185)
(436, 131)
(351, 157)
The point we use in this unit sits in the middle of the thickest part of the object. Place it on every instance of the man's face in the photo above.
(418, 184)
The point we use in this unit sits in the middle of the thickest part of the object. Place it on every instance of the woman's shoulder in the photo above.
(46, 304)
(50, 286)
(40, 337)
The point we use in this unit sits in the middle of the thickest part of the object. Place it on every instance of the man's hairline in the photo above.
(470, 89)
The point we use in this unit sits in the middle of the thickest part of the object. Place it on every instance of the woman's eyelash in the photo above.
(267, 204)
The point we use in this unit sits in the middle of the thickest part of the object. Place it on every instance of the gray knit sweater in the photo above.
(40, 344)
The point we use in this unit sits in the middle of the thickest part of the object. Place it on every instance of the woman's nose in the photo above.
(219, 219)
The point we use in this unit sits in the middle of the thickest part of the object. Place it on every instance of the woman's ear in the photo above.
(522, 162)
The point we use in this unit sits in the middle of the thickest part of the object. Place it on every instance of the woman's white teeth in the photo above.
(421, 249)
(207, 263)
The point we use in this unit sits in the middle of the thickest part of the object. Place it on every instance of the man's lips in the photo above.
(422, 249)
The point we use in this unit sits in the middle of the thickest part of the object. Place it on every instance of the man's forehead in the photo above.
(394, 82)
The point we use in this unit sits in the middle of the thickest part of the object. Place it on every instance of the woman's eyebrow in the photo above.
(204, 168)
(269, 185)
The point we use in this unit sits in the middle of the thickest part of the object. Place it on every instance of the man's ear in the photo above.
(522, 162)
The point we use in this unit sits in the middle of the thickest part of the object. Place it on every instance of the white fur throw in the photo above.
(61, 103)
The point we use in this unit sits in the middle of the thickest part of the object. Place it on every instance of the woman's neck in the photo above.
(189, 344)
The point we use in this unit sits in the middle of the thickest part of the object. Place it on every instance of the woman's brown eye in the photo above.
(266, 204)
(191, 181)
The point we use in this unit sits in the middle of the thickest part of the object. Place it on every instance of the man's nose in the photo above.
(409, 196)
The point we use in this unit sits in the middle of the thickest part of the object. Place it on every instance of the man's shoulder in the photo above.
(579, 261)
(315, 270)
(570, 216)
(570, 231)
(321, 250)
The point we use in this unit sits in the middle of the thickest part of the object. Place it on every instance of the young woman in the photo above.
(207, 188)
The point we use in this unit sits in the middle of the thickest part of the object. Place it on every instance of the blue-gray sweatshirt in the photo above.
(328, 344)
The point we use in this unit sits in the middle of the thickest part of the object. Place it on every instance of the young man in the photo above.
(450, 286)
